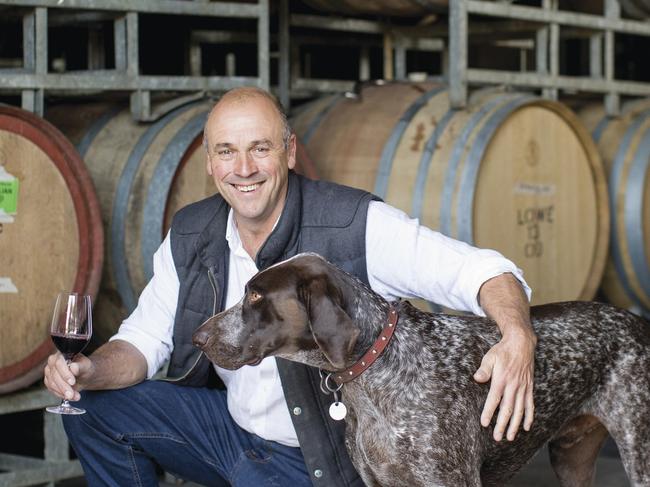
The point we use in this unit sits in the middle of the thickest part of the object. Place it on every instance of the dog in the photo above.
(413, 414)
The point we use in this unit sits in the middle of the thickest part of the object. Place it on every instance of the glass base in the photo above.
(65, 408)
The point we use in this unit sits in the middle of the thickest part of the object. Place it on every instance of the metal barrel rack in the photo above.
(600, 30)
(20, 470)
(541, 28)
(33, 79)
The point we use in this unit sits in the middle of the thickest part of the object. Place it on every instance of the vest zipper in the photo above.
(211, 278)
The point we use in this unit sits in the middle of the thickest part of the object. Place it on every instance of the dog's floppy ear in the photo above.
(335, 333)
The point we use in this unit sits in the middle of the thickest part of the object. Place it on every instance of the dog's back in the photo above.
(592, 372)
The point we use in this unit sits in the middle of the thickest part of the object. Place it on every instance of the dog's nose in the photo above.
(200, 338)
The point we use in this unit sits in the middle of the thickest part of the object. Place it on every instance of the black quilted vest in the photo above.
(318, 217)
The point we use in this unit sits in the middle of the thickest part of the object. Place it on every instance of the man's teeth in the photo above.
(246, 189)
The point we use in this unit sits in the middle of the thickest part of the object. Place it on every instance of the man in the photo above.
(268, 427)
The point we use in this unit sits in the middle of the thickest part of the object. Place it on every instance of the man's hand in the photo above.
(114, 365)
(509, 364)
(67, 381)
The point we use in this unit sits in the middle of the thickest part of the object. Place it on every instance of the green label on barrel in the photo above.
(9, 196)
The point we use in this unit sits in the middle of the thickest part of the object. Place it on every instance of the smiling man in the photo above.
(265, 424)
(250, 150)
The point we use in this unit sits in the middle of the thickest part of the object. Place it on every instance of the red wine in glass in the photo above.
(71, 329)
(70, 345)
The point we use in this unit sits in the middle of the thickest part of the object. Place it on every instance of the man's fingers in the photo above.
(530, 408)
(74, 368)
(517, 415)
(58, 377)
(59, 385)
(506, 408)
(491, 403)
(484, 372)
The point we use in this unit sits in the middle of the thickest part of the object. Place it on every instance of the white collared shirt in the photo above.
(414, 262)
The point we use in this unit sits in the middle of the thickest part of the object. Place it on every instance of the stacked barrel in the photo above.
(511, 172)
(624, 143)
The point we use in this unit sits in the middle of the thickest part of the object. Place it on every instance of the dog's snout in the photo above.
(200, 338)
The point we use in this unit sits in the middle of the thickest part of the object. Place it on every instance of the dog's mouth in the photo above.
(253, 362)
(232, 359)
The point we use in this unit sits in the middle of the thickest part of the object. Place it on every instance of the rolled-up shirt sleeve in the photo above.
(406, 259)
(149, 327)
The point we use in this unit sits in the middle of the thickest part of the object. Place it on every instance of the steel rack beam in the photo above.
(171, 7)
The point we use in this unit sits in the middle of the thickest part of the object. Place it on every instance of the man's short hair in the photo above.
(246, 92)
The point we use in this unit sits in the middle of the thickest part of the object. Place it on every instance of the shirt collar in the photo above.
(232, 236)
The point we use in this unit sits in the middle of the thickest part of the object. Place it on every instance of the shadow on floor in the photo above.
(538, 473)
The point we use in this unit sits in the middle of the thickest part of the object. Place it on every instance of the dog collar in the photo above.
(372, 354)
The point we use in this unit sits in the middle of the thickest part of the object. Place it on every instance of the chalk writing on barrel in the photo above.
(532, 218)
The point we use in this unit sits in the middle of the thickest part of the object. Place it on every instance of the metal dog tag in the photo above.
(338, 411)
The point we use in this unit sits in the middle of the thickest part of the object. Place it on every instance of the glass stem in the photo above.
(65, 402)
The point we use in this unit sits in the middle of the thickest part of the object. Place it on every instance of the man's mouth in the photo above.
(246, 188)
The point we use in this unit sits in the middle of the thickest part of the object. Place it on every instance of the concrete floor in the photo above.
(538, 473)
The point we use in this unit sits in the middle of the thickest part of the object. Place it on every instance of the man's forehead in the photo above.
(244, 119)
(258, 105)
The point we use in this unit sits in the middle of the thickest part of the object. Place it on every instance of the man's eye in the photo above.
(261, 150)
(254, 296)
(225, 154)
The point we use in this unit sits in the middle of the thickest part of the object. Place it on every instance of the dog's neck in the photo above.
(369, 312)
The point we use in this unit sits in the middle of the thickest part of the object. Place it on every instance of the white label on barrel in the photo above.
(6, 286)
(534, 188)
(4, 218)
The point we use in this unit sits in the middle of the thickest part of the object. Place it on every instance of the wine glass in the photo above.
(71, 329)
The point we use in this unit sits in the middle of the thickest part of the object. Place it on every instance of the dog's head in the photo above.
(294, 309)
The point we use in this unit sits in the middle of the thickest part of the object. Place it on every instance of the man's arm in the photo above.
(510, 363)
(114, 365)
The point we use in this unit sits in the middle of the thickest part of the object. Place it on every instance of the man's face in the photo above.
(247, 159)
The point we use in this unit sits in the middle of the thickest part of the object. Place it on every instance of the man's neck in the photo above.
(252, 237)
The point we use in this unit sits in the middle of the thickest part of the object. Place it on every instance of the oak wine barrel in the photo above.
(624, 144)
(51, 239)
(144, 173)
(637, 9)
(512, 172)
(419, 8)
(401, 8)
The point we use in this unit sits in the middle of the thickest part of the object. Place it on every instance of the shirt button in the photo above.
(297, 411)
(318, 473)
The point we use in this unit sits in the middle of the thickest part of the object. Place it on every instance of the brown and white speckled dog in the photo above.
(413, 416)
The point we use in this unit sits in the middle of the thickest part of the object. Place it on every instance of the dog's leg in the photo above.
(633, 443)
(574, 449)
(624, 406)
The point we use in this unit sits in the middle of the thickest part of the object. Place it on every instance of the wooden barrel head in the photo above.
(540, 179)
(624, 143)
(52, 243)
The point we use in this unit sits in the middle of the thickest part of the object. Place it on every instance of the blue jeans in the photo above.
(188, 431)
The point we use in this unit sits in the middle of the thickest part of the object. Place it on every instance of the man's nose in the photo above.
(245, 165)
(200, 338)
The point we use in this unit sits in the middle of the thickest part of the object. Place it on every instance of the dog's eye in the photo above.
(254, 296)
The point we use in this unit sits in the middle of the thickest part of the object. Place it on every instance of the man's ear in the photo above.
(291, 152)
(334, 331)
(208, 164)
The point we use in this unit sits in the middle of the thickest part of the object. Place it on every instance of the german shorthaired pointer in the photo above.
(413, 416)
